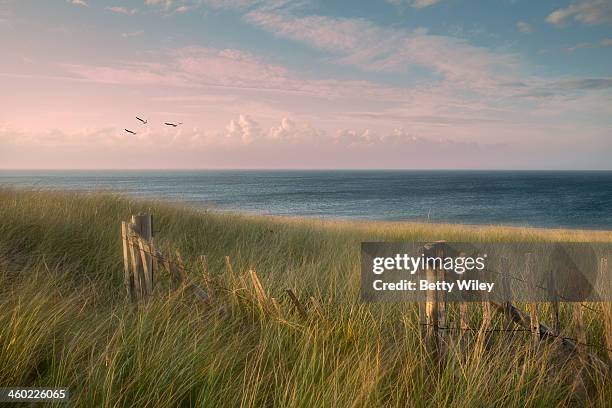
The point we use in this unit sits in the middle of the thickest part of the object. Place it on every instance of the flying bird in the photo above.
(144, 121)
(129, 131)
(173, 124)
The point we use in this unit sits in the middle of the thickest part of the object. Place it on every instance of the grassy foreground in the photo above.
(64, 320)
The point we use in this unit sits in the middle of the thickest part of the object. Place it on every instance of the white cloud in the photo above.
(184, 6)
(78, 2)
(352, 137)
(524, 27)
(367, 46)
(605, 42)
(290, 131)
(166, 3)
(243, 129)
(586, 11)
(122, 10)
(418, 4)
(182, 9)
(423, 3)
(198, 67)
(572, 48)
(367, 137)
(247, 131)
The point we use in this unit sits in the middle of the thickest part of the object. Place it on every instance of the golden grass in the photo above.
(64, 320)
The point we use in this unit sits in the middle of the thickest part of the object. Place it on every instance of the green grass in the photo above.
(64, 320)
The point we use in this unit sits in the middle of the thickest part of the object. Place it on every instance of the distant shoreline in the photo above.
(334, 222)
(541, 199)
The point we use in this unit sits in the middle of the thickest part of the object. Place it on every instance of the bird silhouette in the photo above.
(173, 124)
(129, 131)
(144, 121)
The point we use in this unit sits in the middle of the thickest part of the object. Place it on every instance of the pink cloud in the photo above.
(586, 11)
(199, 67)
(78, 2)
(292, 132)
(243, 129)
(122, 10)
(368, 46)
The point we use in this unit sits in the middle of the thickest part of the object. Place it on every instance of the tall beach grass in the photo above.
(65, 321)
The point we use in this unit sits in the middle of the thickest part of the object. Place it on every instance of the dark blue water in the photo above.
(546, 199)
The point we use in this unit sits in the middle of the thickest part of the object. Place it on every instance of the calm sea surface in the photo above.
(546, 199)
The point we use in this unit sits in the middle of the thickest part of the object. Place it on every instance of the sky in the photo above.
(308, 84)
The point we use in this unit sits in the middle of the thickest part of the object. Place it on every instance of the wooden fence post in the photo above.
(431, 311)
(259, 290)
(422, 304)
(147, 267)
(143, 228)
(127, 276)
(138, 255)
(136, 261)
(534, 321)
(441, 329)
(579, 324)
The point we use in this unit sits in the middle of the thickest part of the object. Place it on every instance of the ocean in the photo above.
(567, 199)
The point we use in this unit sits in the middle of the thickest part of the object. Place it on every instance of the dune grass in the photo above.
(65, 322)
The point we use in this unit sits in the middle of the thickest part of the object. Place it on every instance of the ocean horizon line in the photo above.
(303, 169)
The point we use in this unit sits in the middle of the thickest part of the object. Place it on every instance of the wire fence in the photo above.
(133, 239)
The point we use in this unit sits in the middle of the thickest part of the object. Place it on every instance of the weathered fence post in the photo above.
(534, 322)
(441, 329)
(136, 262)
(579, 324)
(422, 305)
(431, 311)
(143, 228)
(138, 252)
(147, 267)
(260, 292)
(127, 276)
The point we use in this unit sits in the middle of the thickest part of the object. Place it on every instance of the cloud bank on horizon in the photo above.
(306, 84)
